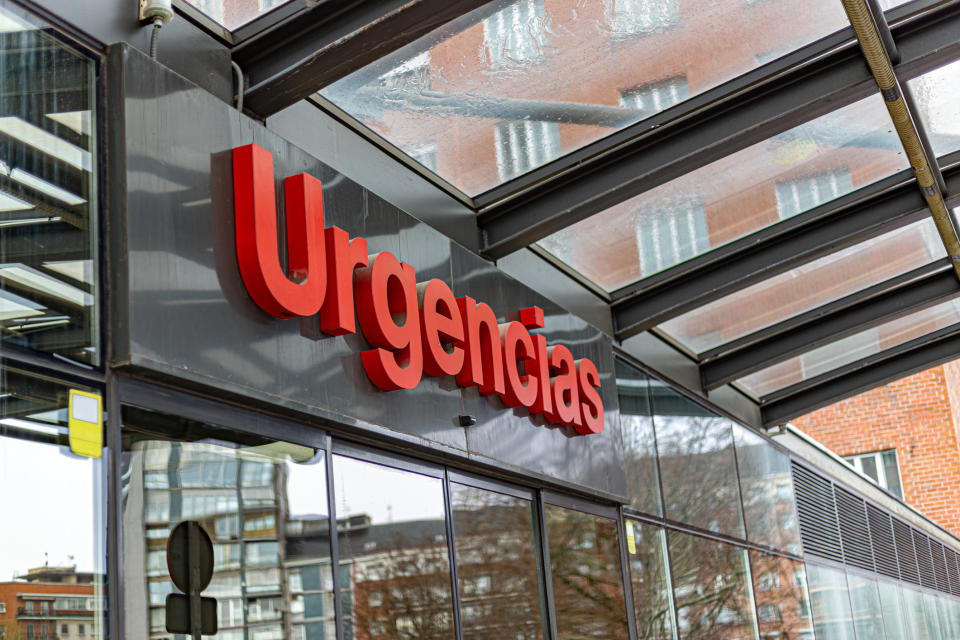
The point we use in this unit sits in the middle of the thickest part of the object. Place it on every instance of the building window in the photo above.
(523, 145)
(630, 18)
(82, 629)
(516, 35)
(803, 194)
(881, 467)
(376, 598)
(768, 613)
(656, 96)
(3, 607)
(64, 630)
(671, 233)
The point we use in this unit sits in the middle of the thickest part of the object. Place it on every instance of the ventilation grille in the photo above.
(854, 530)
(817, 514)
(940, 566)
(953, 571)
(906, 558)
(881, 536)
(928, 577)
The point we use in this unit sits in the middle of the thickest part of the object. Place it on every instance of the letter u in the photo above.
(302, 292)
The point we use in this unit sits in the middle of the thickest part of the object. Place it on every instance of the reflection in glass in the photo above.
(48, 222)
(262, 502)
(711, 589)
(852, 348)
(586, 573)
(233, 14)
(534, 61)
(831, 603)
(914, 616)
(393, 552)
(931, 616)
(766, 482)
(497, 565)
(733, 197)
(639, 447)
(865, 604)
(890, 604)
(807, 287)
(52, 560)
(780, 589)
(697, 465)
(652, 596)
(937, 99)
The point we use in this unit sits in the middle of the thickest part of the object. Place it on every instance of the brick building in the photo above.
(49, 603)
(915, 417)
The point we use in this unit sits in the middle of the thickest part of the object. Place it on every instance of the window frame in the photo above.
(855, 461)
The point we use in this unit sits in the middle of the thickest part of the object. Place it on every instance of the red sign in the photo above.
(413, 327)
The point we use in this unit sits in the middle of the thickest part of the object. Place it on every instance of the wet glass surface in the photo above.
(939, 105)
(639, 445)
(650, 580)
(497, 565)
(585, 559)
(515, 84)
(711, 589)
(780, 589)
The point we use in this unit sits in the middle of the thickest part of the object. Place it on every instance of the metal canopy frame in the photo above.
(313, 48)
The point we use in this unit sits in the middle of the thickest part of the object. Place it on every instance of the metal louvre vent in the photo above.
(906, 558)
(940, 566)
(817, 514)
(921, 543)
(953, 571)
(881, 536)
(854, 530)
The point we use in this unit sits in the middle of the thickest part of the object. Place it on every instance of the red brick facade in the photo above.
(918, 417)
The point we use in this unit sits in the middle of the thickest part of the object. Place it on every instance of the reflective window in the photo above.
(585, 559)
(881, 467)
(780, 589)
(639, 447)
(522, 61)
(652, 596)
(233, 14)
(733, 197)
(936, 97)
(393, 541)
(831, 603)
(852, 348)
(914, 615)
(931, 615)
(766, 482)
(807, 287)
(52, 564)
(48, 202)
(890, 603)
(206, 479)
(711, 588)
(497, 564)
(865, 605)
(697, 465)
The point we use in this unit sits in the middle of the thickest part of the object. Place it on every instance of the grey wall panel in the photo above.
(190, 318)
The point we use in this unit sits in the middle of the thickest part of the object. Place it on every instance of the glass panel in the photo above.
(780, 588)
(733, 197)
(585, 559)
(531, 64)
(233, 14)
(807, 287)
(852, 348)
(892, 611)
(865, 602)
(932, 617)
(652, 596)
(936, 96)
(395, 543)
(205, 479)
(711, 588)
(52, 567)
(766, 482)
(914, 615)
(697, 463)
(639, 445)
(497, 565)
(831, 604)
(869, 466)
(48, 222)
(947, 621)
(892, 472)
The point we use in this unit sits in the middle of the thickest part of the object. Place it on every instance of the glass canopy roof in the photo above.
(516, 83)
(233, 14)
(938, 96)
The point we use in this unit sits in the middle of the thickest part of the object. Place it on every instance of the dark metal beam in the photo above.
(833, 226)
(679, 140)
(330, 41)
(893, 364)
(897, 297)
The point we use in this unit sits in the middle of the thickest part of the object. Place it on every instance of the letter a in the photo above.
(302, 292)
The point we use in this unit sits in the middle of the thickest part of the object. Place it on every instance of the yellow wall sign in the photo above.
(631, 542)
(86, 423)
